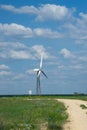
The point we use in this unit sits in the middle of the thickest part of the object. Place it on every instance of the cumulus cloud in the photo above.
(77, 67)
(83, 16)
(5, 73)
(23, 9)
(4, 67)
(14, 50)
(20, 54)
(41, 32)
(30, 71)
(73, 67)
(19, 76)
(12, 45)
(66, 53)
(20, 31)
(83, 58)
(43, 12)
(14, 29)
(40, 50)
(77, 29)
(52, 11)
(20, 51)
(74, 27)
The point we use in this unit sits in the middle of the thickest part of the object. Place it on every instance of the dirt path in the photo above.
(77, 115)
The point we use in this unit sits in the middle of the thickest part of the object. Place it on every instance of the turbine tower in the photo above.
(39, 71)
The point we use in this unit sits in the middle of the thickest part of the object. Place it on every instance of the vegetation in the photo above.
(83, 106)
(34, 112)
(23, 113)
(81, 97)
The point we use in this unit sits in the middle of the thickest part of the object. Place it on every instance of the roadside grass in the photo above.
(80, 97)
(23, 113)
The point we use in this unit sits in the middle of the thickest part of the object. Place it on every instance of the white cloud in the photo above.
(30, 71)
(3, 67)
(71, 30)
(23, 9)
(83, 58)
(74, 27)
(77, 67)
(61, 67)
(41, 32)
(5, 73)
(40, 50)
(14, 29)
(77, 28)
(53, 12)
(12, 45)
(66, 53)
(19, 76)
(43, 12)
(83, 16)
(16, 50)
(20, 54)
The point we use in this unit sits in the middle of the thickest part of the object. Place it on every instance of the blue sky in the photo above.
(56, 29)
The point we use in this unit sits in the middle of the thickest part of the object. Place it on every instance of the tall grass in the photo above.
(22, 114)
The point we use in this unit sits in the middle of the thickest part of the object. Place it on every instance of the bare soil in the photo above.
(77, 116)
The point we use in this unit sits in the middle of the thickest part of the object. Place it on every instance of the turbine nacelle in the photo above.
(35, 70)
(39, 71)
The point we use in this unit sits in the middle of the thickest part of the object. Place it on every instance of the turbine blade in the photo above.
(36, 70)
(44, 74)
(41, 62)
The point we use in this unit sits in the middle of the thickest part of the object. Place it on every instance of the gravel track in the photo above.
(77, 116)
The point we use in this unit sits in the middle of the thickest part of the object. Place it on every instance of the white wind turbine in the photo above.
(39, 71)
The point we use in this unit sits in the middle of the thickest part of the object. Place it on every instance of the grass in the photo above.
(18, 113)
(80, 97)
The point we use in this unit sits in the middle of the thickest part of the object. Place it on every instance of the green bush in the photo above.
(83, 106)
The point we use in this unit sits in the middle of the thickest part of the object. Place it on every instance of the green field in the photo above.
(34, 112)
(24, 113)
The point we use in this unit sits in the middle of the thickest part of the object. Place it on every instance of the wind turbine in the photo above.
(39, 71)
